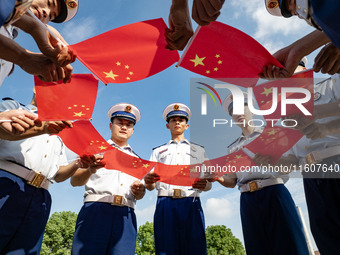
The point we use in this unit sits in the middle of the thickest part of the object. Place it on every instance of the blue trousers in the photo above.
(323, 201)
(24, 212)
(105, 229)
(6, 8)
(270, 223)
(179, 227)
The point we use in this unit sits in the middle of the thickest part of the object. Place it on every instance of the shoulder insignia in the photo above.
(233, 142)
(158, 146)
(197, 144)
(135, 154)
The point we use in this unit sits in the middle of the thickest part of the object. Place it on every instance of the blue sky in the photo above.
(221, 205)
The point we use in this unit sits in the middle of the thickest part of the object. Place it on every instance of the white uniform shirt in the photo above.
(110, 181)
(181, 153)
(6, 67)
(43, 153)
(256, 173)
(327, 91)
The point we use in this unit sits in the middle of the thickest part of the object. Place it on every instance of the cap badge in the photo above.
(176, 107)
(71, 4)
(273, 4)
(127, 108)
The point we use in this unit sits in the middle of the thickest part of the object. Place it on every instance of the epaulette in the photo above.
(320, 82)
(158, 146)
(233, 142)
(9, 98)
(197, 144)
(135, 154)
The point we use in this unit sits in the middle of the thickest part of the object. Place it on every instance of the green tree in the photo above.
(59, 234)
(145, 240)
(221, 241)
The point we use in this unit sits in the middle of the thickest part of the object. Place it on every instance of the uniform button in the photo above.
(45, 156)
(177, 163)
(306, 147)
(305, 10)
(178, 153)
(47, 141)
(121, 184)
(299, 7)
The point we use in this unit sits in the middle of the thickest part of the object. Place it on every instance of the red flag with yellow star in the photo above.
(128, 53)
(70, 101)
(227, 54)
(267, 92)
(182, 175)
(228, 164)
(274, 141)
(136, 167)
(83, 138)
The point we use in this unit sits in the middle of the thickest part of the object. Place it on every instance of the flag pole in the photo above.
(188, 46)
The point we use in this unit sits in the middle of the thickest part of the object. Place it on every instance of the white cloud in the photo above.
(266, 25)
(145, 214)
(74, 32)
(217, 209)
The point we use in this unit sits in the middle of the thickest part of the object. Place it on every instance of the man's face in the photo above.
(121, 130)
(244, 118)
(177, 125)
(46, 10)
(291, 6)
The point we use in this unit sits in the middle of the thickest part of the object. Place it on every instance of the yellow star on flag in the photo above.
(127, 66)
(198, 60)
(118, 63)
(267, 91)
(273, 132)
(78, 114)
(128, 78)
(102, 147)
(207, 71)
(131, 73)
(145, 165)
(215, 69)
(217, 55)
(238, 156)
(192, 170)
(219, 62)
(111, 75)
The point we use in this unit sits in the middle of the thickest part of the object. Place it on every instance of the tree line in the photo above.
(60, 229)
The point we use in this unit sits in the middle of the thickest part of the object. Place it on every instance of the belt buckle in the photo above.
(253, 186)
(37, 180)
(310, 159)
(177, 193)
(117, 200)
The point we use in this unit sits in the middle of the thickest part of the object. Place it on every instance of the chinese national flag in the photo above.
(224, 53)
(274, 141)
(83, 138)
(129, 53)
(182, 175)
(136, 167)
(230, 163)
(264, 94)
(70, 101)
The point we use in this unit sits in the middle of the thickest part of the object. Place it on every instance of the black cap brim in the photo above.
(63, 12)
